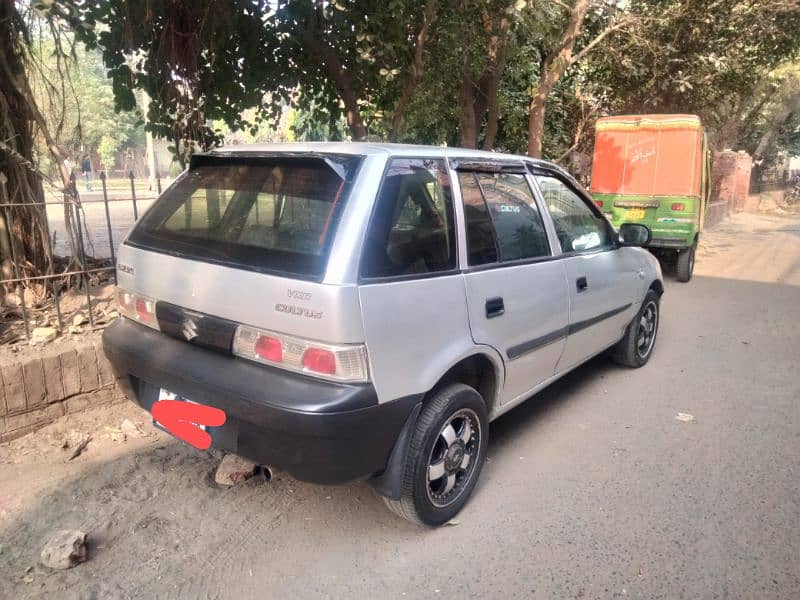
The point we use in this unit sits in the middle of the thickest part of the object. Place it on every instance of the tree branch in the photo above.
(313, 37)
(620, 24)
(416, 68)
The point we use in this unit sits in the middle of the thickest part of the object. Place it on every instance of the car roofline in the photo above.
(368, 149)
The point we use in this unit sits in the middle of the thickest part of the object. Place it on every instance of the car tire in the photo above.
(445, 457)
(684, 267)
(636, 347)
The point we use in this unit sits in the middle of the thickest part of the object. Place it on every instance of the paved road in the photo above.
(592, 490)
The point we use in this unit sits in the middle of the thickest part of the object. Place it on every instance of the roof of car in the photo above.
(369, 148)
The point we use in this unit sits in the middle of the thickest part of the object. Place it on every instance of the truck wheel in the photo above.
(635, 348)
(685, 265)
(445, 457)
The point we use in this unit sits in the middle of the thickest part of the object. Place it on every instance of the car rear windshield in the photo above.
(268, 214)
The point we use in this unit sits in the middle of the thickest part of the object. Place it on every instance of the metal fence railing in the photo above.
(101, 218)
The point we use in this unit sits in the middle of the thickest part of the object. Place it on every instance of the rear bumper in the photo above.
(317, 431)
(667, 242)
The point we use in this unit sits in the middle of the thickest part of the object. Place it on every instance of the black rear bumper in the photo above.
(318, 431)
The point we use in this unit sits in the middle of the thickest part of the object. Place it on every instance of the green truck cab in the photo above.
(655, 170)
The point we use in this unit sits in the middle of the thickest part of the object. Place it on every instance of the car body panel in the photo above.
(328, 313)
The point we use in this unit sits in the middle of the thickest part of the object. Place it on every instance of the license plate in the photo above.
(167, 395)
(634, 213)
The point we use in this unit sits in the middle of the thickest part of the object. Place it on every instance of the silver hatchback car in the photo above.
(345, 311)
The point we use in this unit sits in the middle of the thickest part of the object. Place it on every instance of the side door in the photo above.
(410, 289)
(601, 276)
(516, 291)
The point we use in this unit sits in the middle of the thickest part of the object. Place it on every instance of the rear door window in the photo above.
(502, 218)
(412, 230)
(273, 214)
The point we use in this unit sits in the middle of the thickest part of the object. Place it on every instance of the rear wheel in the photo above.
(684, 267)
(635, 348)
(445, 457)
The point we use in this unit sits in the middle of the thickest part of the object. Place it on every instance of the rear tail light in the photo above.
(137, 308)
(678, 206)
(320, 361)
(345, 362)
(269, 349)
(599, 203)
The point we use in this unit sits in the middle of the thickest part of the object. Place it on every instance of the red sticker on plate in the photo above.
(183, 420)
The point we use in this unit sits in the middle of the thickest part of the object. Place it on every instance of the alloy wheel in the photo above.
(648, 325)
(453, 457)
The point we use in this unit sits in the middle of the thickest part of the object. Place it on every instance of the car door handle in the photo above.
(494, 307)
(581, 284)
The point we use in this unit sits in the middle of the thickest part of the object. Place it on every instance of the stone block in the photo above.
(52, 378)
(104, 371)
(70, 376)
(87, 366)
(35, 390)
(39, 416)
(14, 387)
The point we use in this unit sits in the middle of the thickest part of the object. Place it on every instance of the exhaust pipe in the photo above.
(265, 472)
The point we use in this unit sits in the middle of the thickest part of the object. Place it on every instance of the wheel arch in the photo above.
(480, 370)
(658, 287)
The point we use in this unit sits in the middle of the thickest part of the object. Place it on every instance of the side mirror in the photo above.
(634, 234)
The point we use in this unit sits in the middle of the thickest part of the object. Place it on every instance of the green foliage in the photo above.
(198, 61)
(264, 70)
(82, 110)
(698, 56)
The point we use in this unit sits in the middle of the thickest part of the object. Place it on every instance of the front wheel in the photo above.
(685, 264)
(445, 457)
(635, 348)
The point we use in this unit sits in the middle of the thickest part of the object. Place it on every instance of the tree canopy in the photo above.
(518, 75)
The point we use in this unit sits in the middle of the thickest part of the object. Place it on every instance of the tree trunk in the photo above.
(313, 36)
(26, 225)
(554, 65)
(498, 46)
(536, 116)
(478, 98)
(791, 106)
(416, 70)
(469, 129)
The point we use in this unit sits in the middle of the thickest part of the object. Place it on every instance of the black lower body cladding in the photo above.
(318, 431)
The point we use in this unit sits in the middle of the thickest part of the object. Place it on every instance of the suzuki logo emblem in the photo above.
(189, 328)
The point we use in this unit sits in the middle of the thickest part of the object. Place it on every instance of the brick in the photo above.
(14, 387)
(83, 401)
(70, 376)
(77, 403)
(35, 390)
(40, 416)
(104, 368)
(87, 366)
(52, 378)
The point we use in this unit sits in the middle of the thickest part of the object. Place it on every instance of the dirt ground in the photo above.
(591, 490)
